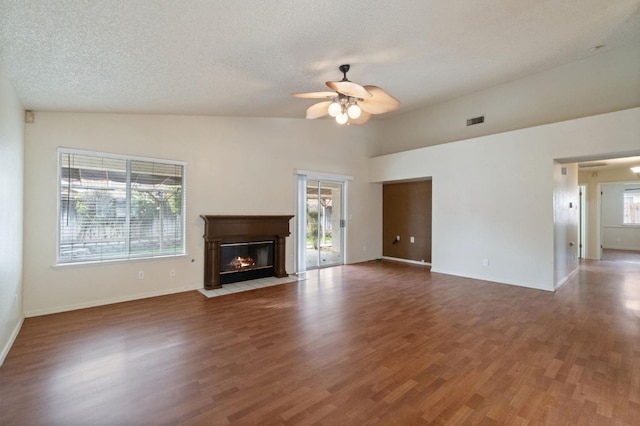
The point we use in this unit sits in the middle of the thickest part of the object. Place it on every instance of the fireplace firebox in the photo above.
(245, 261)
(240, 248)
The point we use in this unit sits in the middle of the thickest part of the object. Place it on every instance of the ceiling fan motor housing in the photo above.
(344, 69)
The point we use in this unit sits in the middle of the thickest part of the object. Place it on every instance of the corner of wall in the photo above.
(9, 343)
(11, 219)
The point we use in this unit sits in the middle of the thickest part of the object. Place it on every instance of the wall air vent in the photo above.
(475, 120)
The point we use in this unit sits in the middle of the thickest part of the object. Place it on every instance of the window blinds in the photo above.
(119, 208)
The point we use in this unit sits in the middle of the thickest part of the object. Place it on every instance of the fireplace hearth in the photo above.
(240, 248)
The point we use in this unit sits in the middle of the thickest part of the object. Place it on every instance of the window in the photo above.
(631, 207)
(117, 207)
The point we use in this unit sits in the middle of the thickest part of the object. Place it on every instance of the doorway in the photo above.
(406, 220)
(323, 236)
(321, 227)
(582, 228)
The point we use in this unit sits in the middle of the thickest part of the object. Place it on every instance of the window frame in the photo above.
(128, 159)
(635, 192)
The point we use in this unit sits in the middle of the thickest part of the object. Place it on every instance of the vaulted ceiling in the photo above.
(245, 57)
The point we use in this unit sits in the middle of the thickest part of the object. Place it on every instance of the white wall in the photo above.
(234, 166)
(11, 204)
(607, 81)
(493, 195)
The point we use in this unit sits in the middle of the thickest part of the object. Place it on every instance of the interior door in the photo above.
(324, 224)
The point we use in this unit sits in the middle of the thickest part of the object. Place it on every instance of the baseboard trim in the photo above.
(12, 339)
(103, 302)
(621, 248)
(414, 262)
(491, 280)
(565, 280)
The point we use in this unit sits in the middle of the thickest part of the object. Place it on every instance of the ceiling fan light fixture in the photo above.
(354, 111)
(349, 103)
(334, 109)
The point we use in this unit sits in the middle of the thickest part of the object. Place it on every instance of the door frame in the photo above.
(583, 218)
(599, 190)
(301, 213)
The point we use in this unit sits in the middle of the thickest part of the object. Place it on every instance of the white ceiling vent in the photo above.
(475, 120)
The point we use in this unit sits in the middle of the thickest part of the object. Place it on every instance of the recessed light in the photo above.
(598, 47)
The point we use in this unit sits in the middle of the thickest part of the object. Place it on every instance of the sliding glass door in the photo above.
(323, 244)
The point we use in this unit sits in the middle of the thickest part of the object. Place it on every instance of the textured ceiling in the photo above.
(245, 58)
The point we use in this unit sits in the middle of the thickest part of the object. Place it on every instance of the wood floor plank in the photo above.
(372, 343)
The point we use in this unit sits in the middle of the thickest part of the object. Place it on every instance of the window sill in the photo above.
(116, 261)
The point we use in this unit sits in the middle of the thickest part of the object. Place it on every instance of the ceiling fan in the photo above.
(349, 103)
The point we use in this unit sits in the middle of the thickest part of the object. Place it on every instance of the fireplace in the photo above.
(245, 261)
(240, 248)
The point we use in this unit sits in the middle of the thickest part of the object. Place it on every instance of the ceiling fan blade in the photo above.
(364, 117)
(350, 89)
(315, 95)
(380, 103)
(318, 110)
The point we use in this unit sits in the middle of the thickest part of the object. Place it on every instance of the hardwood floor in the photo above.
(620, 255)
(373, 343)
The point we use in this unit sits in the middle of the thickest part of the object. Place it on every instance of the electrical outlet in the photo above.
(141, 275)
(412, 240)
(485, 262)
(397, 237)
(172, 272)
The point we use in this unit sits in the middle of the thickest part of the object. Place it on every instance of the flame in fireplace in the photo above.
(242, 262)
